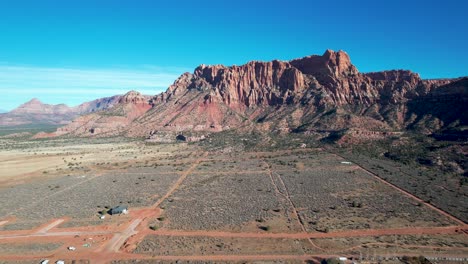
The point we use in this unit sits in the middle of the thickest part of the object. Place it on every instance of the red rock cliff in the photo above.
(216, 97)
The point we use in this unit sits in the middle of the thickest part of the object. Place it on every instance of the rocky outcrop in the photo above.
(255, 83)
(109, 122)
(330, 79)
(311, 93)
(134, 98)
(314, 93)
(330, 65)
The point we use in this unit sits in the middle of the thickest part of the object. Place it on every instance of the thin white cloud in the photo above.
(37, 78)
(21, 83)
(70, 92)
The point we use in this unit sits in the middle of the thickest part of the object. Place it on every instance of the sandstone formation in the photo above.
(108, 122)
(314, 93)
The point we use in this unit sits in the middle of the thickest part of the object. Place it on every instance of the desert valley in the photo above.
(300, 161)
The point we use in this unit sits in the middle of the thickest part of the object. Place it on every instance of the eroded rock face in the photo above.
(321, 92)
(255, 83)
(330, 79)
(330, 64)
(314, 93)
(108, 122)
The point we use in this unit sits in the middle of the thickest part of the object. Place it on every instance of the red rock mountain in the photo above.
(312, 93)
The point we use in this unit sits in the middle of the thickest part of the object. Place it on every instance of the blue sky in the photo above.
(75, 51)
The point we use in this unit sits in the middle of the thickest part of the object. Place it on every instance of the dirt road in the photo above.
(119, 239)
(50, 226)
(180, 180)
(118, 242)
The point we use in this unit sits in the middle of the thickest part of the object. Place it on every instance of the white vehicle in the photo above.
(45, 261)
(72, 248)
(60, 262)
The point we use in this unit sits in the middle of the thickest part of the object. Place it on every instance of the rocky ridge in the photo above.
(315, 94)
(312, 93)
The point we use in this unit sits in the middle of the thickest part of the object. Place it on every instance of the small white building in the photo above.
(121, 209)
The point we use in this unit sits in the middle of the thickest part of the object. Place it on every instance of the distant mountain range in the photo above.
(112, 120)
(315, 94)
(34, 112)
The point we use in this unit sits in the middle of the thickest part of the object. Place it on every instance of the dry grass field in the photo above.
(156, 245)
(188, 203)
(239, 193)
(444, 244)
(90, 177)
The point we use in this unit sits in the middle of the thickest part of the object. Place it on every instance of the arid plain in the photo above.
(189, 203)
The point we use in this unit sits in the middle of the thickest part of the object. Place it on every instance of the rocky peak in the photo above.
(209, 72)
(183, 80)
(330, 64)
(133, 97)
(32, 106)
(33, 101)
(36, 112)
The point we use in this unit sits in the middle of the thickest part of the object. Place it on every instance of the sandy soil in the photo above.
(129, 237)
